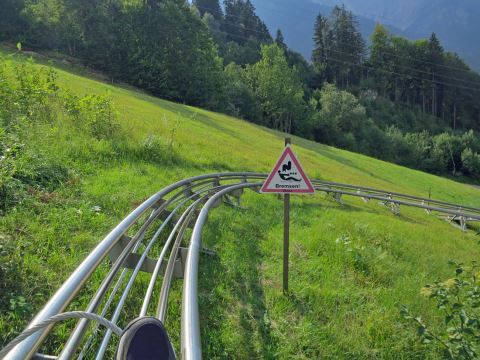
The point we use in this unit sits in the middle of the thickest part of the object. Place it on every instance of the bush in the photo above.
(421, 146)
(400, 151)
(10, 188)
(340, 119)
(241, 101)
(471, 162)
(154, 149)
(32, 106)
(471, 140)
(22, 168)
(458, 299)
(447, 152)
(95, 114)
(26, 93)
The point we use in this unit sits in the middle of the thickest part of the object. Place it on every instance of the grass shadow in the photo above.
(232, 302)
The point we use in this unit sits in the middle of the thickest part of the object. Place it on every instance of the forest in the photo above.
(413, 103)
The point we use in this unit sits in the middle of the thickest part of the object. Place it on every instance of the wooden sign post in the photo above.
(287, 177)
(286, 233)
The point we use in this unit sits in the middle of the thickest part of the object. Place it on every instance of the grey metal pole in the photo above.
(286, 234)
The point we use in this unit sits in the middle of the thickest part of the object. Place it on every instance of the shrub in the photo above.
(458, 299)
(95, 114)
(471, 162)
(28, 105)
(421, 146)
(22, 168)
(26, 93)
(340, 118)
(446, 154)
(241, 100)
(471, 140)
(155, 150)
(10, 188)
(401, 153)
(152, 149)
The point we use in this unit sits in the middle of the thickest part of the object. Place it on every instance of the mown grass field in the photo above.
(352, 265)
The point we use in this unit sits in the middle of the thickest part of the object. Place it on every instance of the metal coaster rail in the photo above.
(184, 204)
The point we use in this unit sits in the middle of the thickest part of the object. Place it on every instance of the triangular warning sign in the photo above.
(288, 176)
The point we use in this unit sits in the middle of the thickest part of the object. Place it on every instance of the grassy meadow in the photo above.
(352, 265)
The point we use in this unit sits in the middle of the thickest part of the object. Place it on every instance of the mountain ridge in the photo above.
(456, 24)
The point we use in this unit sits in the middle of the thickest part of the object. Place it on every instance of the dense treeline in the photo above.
(410, 102)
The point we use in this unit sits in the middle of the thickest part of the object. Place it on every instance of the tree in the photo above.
(12, 25)
(339, 48)
(304, 69)
(248, 53)
(278, 89)
(45, 20)
(340, 118)
(241, 100)
(447, 153)
(245, 32)
(280, 40)
(381, 58)
(173, 55)
(242, 23)
(348, 47)
(209, 6)
(216, 32)
(322, 38)
(435, 61)
(471, 162)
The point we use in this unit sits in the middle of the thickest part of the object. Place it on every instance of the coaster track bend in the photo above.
(126, 250)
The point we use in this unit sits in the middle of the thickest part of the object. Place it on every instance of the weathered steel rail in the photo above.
(126, 250)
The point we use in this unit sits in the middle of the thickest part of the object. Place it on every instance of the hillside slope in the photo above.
(353, 265)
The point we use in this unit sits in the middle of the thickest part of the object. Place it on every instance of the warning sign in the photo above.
(288, 176)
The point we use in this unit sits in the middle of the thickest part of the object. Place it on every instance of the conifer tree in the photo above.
(209, 6)
(280, 40)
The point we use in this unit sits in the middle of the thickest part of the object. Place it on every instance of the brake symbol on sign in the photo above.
(286, 174)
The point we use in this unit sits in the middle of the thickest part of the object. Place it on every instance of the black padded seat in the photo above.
(145, 339)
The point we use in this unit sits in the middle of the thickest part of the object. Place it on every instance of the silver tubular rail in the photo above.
(190, 339)
(124, 273)
(366, 192)
(72, 286)
(118, 309)
(182, 205)
(451, 209)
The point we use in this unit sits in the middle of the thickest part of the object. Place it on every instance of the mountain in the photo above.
(297, 20)
(456, 23)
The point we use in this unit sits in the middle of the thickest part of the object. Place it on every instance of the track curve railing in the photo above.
(127, 247)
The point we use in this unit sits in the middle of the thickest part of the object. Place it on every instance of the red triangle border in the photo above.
(288, 151)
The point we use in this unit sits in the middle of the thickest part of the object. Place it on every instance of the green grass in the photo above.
(352, 265)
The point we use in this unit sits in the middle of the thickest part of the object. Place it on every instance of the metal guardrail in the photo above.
(182, 205)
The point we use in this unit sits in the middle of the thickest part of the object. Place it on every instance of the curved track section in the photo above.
(161, 224)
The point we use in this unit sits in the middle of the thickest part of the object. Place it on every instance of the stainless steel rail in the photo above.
(183, 199)
(63, 297)
(423, 203)
(371, 191)
(191, 344)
